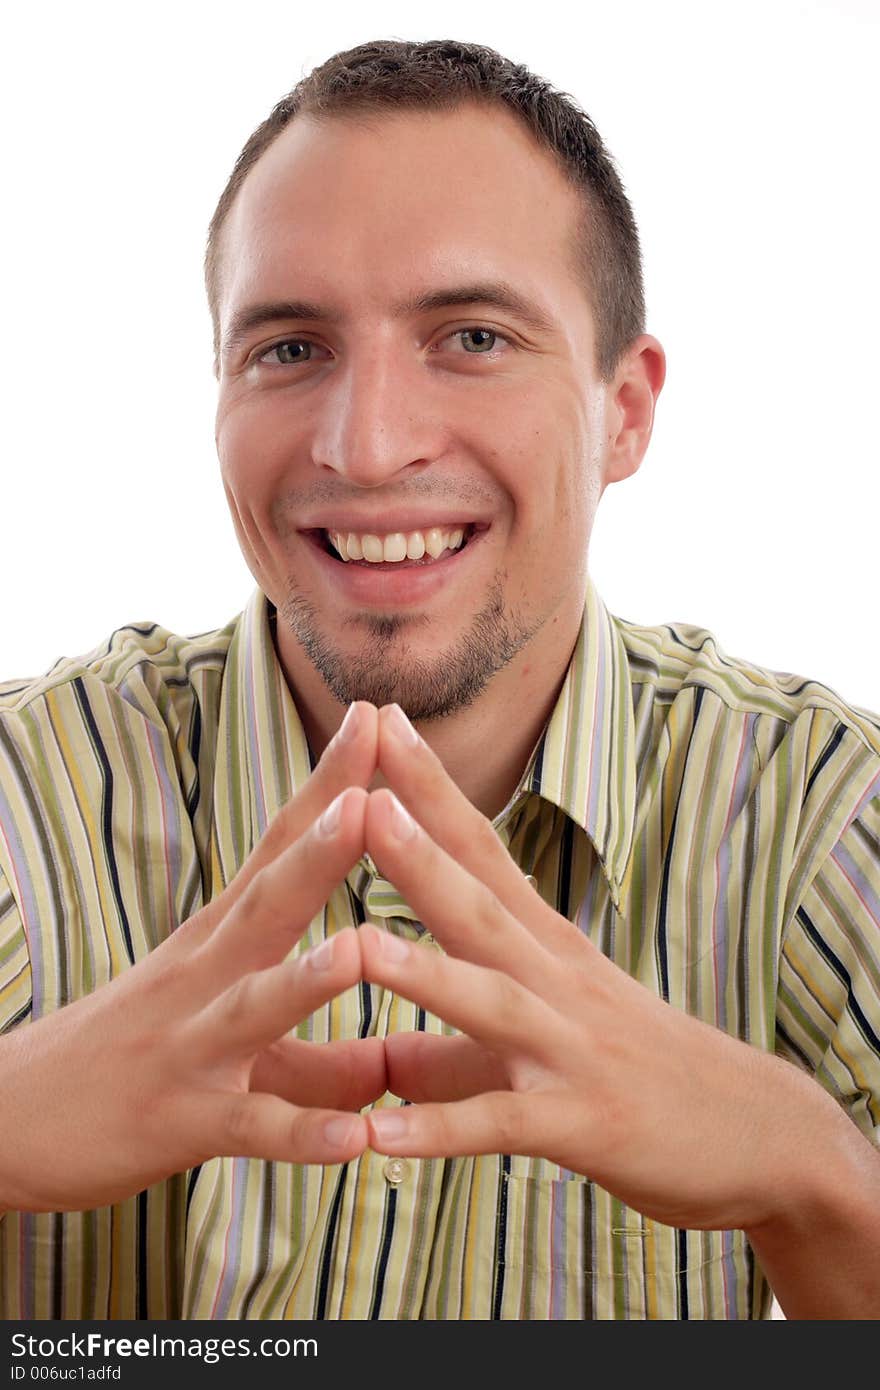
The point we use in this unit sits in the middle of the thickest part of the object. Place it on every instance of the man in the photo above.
(424, 824)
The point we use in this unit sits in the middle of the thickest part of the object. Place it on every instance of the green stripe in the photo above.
(607, 797)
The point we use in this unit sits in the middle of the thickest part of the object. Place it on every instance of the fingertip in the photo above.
(380, 796)
(356, 800)
(376, 813)
(337, 956)
(368, 731)
(349, 953)
(355, 743)
(388, 821)
(393, 722)
(345, 1136)
(369, 938)
(345, 814)
(389, 1129)
(367, 716)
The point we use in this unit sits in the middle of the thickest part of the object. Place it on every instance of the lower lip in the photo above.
(375, 586)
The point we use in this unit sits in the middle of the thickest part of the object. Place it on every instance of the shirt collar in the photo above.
(262, 751)
(584, 762)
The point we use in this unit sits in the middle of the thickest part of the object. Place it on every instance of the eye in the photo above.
(477, 340)
(290, 352)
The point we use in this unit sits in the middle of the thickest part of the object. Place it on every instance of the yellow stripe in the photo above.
(624, 860)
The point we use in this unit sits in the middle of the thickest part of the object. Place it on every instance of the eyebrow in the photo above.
(497, 294)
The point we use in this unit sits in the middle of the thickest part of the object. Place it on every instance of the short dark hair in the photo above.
(440, 75)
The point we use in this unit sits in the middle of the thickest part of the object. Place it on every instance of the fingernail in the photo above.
(403, 827)
(349, 726)
(394, 947)
(321, 958)
(338, 1131)
(389, 1124)
(401, 726)
(329, 822)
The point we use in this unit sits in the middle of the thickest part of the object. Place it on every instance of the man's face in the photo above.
(408, 355)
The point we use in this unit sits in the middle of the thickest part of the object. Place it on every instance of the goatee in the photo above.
(384, 669)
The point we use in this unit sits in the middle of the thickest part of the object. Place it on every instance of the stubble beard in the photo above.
(385, 671)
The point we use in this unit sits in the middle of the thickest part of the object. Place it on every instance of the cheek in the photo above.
(252, 459)
(558, 524)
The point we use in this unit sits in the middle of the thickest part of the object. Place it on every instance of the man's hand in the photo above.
(563, 1055)
(184, 1057)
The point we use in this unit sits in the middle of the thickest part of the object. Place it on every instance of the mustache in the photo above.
(292, 503)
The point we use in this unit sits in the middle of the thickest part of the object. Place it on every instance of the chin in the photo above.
(389, 667)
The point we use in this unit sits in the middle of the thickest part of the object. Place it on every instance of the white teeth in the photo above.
(435, 542)
(415, 545)
(396, 546)
(373, 549)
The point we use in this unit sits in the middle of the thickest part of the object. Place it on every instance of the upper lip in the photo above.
(391, 522)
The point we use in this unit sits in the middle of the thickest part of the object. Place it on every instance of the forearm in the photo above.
(820, 1249)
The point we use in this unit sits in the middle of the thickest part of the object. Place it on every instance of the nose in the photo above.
(374, 419)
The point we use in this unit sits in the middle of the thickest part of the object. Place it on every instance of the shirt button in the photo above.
(395, 1170)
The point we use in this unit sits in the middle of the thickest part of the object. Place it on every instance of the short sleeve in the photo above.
(15, 969)
(828, 1004)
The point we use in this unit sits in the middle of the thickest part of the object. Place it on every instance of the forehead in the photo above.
(361, 208)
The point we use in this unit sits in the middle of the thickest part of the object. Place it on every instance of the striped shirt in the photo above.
(712, 826)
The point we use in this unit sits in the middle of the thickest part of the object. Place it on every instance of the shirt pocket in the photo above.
(572, 1250)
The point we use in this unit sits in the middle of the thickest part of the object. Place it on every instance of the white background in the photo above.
(747, 140)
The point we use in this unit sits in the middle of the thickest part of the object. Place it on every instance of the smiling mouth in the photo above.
(397, 550)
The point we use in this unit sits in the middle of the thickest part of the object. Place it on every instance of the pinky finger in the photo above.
(255, 1125)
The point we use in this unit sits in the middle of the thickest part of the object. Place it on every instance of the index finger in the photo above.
(419, 779)
(458, 908)
(280, 902)
(349, 760)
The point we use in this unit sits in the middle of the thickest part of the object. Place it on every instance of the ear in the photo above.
(632, 392)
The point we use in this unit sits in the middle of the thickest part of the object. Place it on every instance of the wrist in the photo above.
(818, 1237)
(813, 1159)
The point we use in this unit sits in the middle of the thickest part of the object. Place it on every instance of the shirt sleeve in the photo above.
(828, 1005)
(15, 970)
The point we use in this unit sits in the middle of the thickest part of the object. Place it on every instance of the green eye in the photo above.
(483, 340)
(291, 351)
